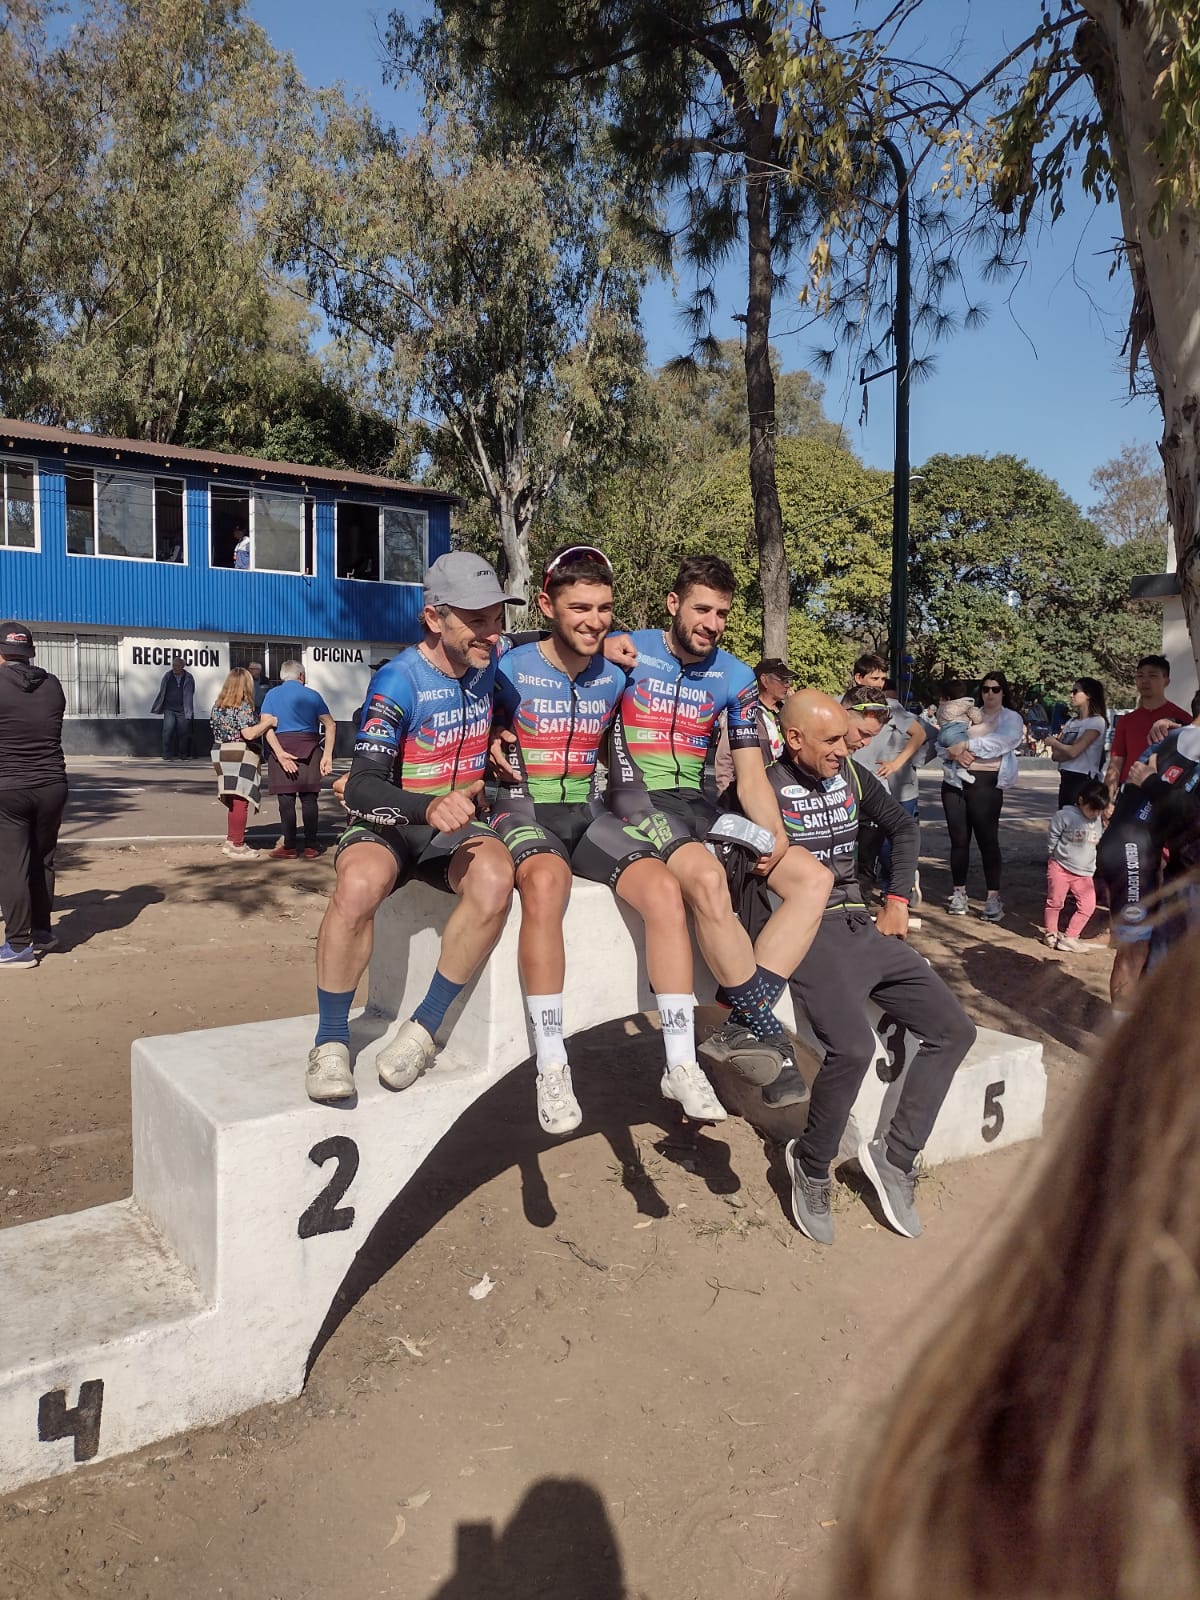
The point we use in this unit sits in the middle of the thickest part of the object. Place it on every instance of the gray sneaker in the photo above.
(810, 1200)
(759, 1061)
(957, 903)
(896, 1189)
(993, 909)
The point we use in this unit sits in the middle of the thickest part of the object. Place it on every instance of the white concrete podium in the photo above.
(202, 1295)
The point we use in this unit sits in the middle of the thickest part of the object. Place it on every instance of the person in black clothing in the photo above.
(33, 792)
(823, 798)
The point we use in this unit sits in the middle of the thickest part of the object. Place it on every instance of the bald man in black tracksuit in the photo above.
(823, 797)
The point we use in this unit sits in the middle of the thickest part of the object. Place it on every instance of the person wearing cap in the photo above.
(33, 793)
(413, 795)
(823, 796)
(774, 679)
(891, 754)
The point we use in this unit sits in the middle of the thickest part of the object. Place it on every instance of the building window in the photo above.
(261, 530)
(272, 653)
(86, 666)
(18, 526)
(125, 515)
(388, 544)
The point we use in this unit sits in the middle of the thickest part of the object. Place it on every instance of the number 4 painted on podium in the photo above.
(81, 1422)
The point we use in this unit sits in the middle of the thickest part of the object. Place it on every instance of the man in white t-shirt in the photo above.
(892, 757)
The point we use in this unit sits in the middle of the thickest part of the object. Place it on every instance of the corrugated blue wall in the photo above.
(48, 585)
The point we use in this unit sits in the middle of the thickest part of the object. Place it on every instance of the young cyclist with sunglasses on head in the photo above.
(557, 698)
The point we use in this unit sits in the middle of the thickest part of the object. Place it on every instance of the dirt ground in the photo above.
(669, 1391)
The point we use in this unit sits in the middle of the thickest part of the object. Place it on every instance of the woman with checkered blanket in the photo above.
(236, 754)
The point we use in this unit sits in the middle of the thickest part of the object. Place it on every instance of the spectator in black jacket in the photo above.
(33, 792)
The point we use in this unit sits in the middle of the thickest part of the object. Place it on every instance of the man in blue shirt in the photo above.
(301, 746)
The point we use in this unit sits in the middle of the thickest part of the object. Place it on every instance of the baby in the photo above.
(957, 714)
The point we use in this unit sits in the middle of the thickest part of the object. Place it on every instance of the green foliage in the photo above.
(1006, 573)
(140, 261)
(494, 288)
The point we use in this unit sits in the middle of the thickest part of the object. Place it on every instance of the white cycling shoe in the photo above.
(688, 1086)
(328, 1075)
(557, 1108)
(406, 1055)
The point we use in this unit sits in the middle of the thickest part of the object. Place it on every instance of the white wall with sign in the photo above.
(143, 658)
(340, 673)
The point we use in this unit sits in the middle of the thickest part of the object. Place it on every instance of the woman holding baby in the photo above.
(986, 756)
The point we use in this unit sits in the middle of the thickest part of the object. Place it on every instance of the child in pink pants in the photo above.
(1074, 835)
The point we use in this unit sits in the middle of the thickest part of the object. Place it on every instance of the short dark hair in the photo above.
(1195, 705)
(704, 572)
(869, 661)
(1094, 794)
(1161, 662)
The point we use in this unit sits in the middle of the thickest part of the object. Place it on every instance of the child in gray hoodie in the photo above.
(1074, 835)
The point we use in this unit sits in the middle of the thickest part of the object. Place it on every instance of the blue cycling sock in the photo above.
(333, 1024)
(432, 1010)
(751, 1002)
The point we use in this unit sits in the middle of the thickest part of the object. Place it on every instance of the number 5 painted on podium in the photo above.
(993, 1112)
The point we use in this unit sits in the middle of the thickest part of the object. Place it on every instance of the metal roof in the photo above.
(175, 455)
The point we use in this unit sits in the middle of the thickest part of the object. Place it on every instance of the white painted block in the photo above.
(203, 1295)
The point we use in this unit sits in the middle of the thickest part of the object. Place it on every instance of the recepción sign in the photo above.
(143, 660)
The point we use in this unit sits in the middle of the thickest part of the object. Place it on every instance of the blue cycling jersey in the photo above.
(423, 732)
(669, 713)
(559, 721)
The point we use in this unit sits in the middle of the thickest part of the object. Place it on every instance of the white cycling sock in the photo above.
(546, 1015)
(677, 1013)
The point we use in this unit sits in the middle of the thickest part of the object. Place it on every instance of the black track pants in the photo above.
(849, 951)
(29, 823)
(287, 817)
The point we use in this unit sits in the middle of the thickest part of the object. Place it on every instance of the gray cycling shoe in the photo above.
(759, 1061)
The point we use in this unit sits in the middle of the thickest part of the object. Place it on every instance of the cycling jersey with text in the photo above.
(669, 712)
(559, 721)
(432, 729)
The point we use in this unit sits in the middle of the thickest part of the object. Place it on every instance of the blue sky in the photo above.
(1042, 380)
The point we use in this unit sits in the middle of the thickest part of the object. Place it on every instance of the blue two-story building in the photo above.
(119, 553)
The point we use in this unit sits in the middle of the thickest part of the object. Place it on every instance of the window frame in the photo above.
(30, 465)
(308, 525)
(393, 583)
(146, 479)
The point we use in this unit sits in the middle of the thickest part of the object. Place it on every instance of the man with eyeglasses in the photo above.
(557, 699)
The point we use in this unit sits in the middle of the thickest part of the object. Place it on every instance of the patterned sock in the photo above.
(431, 1013)
(546, 1016)
(677, 1014)
(751, 1002)
(333, 1021)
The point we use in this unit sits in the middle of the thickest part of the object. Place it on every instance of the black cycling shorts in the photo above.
(668, 817)
(421, 852)
(595, 846)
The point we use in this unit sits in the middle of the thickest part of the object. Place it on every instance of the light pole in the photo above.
(901, 332)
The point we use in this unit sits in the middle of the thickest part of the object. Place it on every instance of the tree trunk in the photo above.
(1124, 53)
(514, 541)
(760, 399)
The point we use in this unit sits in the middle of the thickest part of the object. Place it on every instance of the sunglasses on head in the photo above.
(578, 552)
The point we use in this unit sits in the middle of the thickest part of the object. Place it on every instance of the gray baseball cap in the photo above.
(463, 579)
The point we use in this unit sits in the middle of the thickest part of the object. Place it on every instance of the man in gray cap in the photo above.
(412, 795)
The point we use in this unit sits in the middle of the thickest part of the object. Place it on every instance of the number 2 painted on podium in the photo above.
(324, 1215)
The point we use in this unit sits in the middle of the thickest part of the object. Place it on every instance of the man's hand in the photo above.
(893, 919)
(498, 759)
(1139, 772)
(326, 764)
(452, 811)
(767, 864)
(339, 787)
(289, 764)
(1161, 729)
(619, 648)
(886, 769)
